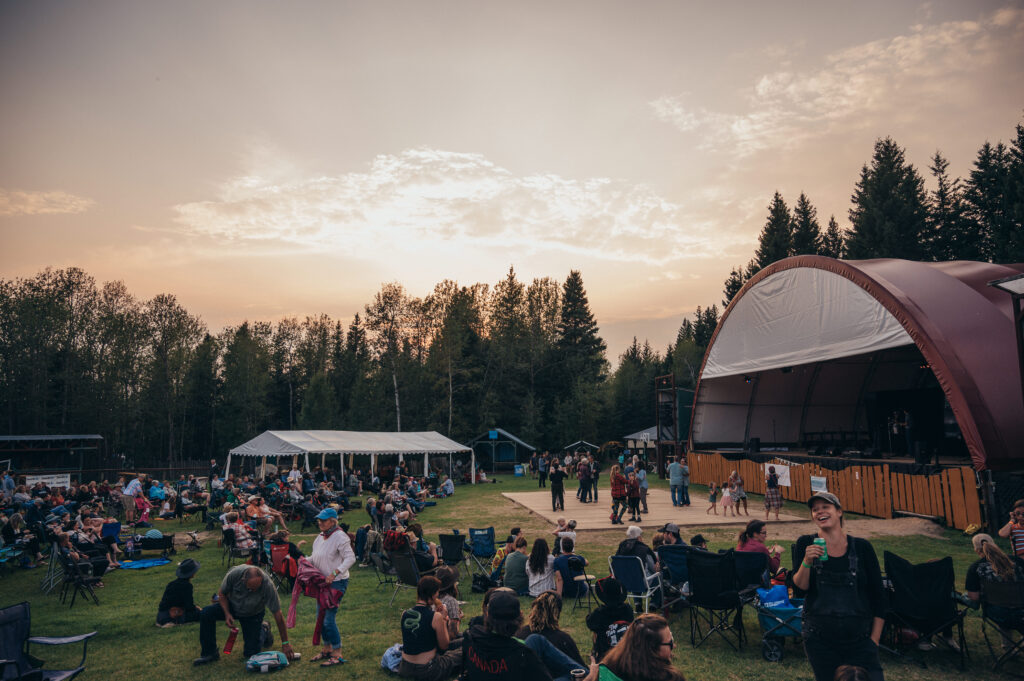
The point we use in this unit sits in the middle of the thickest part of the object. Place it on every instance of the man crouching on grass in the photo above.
(244, 595)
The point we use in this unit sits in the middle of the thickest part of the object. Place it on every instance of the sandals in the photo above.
(319, 656)
(331, 661)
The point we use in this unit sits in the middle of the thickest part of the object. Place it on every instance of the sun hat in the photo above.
(827, 497)
(327, 513)
(609, 590)
(187, 568)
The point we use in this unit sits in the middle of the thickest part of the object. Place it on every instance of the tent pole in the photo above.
(323, 460)
(472, 467)
(263, 468)
(227, 466)
(426, 464)
(307, 462)
(341, 462)
(373, 465)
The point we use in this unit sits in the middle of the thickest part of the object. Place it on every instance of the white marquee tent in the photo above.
(302, 443)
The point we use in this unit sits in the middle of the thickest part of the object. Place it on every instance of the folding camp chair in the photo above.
(1002, 609)
(407, 575)
(77, 581)
(922, 599)
(15, 639)
(54, 574)
(230, 550)
(638, 584)
(282, 567)
(675, 574)
(751, 572)
(382, 568)
(715, 605)
(453, 550)
(482, 543)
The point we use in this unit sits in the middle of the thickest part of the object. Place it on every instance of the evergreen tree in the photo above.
(246, 387)
(986, 197)
(833, 241)
(386, 319)
(951, 235)
(1013, 250)
(806, 237)
(889, 207)
(750, 270)
(319, 406)
(733, 284)
(579, 346)
(776, 238)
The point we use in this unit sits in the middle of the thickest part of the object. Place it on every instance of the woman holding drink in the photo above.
(845, 604)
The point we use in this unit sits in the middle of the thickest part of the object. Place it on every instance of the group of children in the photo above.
(732, 493)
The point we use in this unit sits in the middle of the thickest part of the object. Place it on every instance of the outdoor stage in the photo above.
(595, 516)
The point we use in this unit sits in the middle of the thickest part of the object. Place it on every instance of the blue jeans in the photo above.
(330, 633)
(557, 662)
(686, 495)
(677, 494)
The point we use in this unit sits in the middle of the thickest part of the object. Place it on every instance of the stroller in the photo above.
(778, 620)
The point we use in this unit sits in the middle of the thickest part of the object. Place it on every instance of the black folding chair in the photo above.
(482, 542)
(407, 575)
(715, 605)
(922, 598)
(751, 573)
(453, 550)
(15, 639)
(77, 579)
(382, 568)
(1002, 609)
(231, 551)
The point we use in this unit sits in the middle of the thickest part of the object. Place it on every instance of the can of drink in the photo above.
(818, 541)
(230, 643)
(296, 656)
(577, 674)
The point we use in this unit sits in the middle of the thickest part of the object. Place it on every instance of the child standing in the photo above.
(713, 498)
(634, 497)
(728, 503)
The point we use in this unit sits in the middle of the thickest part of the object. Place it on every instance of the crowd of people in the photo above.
(843, 611)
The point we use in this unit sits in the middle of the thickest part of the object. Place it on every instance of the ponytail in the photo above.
(1000, 562)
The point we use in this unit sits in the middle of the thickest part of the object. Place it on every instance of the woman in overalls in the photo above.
(845, 606)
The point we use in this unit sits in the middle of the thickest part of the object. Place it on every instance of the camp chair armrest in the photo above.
(655, 577)
(60, 640)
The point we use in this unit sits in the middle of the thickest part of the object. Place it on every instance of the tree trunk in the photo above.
(398, 408)
(449, 397)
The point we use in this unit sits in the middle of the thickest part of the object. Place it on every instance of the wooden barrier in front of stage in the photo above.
(870, 489)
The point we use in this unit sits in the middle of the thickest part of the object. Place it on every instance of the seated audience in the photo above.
(645, 652)
(609, 620)
(994, 566)
(425, 637)
(751, 540)
(543, 620)
(539, 568)
(515, 569)
(177, 605)
(567, 566)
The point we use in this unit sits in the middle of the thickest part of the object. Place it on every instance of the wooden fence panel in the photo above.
(956, 491)
(971, 496)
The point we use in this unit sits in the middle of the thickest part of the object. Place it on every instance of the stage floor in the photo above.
(595, 516)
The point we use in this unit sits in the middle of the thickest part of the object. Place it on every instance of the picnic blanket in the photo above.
(143, 563)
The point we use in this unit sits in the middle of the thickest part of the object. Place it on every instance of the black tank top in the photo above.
(418, 635)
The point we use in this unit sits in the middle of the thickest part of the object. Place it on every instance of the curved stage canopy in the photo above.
(812, 347)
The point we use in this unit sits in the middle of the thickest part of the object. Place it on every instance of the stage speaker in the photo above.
(754, 445)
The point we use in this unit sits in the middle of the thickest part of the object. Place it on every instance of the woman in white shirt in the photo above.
(539, 570)
(332, 556)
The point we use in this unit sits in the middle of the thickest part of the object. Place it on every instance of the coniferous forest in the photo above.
(78, 356)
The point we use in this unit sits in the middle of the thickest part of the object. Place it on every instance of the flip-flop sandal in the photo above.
(331, 661)
(319, 656)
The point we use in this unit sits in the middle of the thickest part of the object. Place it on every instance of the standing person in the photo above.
(244, 594)
(1014, 529)
(645, 652)
(214, 472)
(686, 481)
(712, 498)
(620, 494)
(633, 496)
(558, 476)
(542, 469)
(425, 639)
(675, 482)
(727, 501)
(533, 465)
(845, 605)
(641, 475)
(133, 487)
(738, 494)
(332, 556)
(772, 493)
(583, 475)
(595, 475)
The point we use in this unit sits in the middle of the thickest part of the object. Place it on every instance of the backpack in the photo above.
(481, 583)
(392, 658)
(395, 540)
(268, 661)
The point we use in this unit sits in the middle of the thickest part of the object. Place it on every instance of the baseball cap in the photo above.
(827, 497)
(503, 606)
(670, 527)
(327, 513)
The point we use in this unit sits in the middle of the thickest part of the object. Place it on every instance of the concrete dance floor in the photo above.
(595, 516)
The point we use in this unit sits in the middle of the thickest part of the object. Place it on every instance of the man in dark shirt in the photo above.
(609, 621)
(557, 478)
(584, 475)
(177, 605)
(633, 545)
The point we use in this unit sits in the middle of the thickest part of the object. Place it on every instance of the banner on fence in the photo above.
(781, 471)
(58, 480)
(818, 484)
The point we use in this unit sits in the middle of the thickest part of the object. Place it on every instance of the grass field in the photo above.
(129, 646)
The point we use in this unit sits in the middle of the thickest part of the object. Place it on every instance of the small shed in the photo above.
(582, 445)
(501, 447)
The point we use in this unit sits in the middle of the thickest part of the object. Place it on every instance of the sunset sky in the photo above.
(269, 159)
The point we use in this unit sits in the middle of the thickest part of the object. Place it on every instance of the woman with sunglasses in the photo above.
(752, 540)
(645, 652)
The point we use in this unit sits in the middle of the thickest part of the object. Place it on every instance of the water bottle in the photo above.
(130, 548)
(230, 643)
(821, 542)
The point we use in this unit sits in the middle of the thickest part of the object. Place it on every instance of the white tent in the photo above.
(296, 443)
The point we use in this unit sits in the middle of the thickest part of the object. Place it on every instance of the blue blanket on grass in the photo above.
(143, 563)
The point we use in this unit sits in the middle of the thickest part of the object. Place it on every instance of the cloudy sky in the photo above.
(261, 160)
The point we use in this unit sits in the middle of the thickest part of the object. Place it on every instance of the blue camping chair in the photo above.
(482, 542)
(638, 584)
(675, 573)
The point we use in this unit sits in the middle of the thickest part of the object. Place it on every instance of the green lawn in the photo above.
(129, 645)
